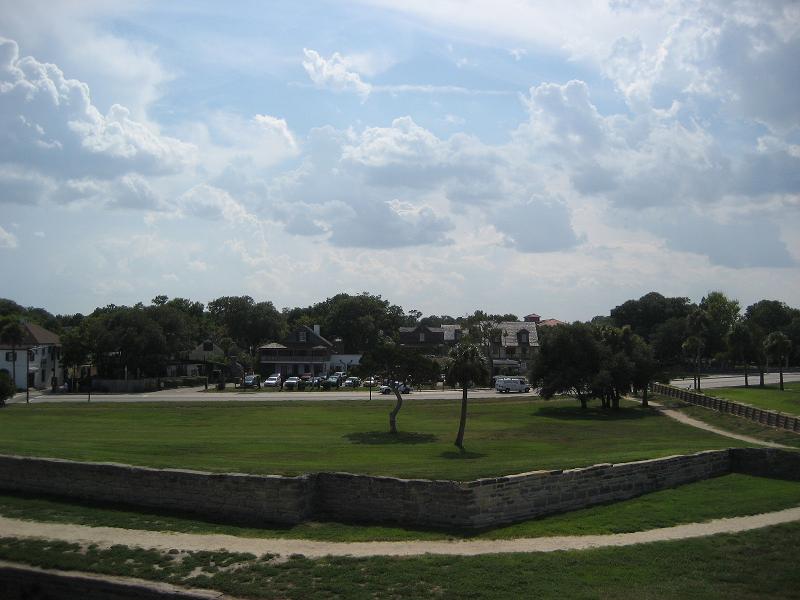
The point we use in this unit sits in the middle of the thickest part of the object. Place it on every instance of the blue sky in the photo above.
(449, 155)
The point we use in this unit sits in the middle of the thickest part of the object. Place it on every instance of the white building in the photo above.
(38, 358)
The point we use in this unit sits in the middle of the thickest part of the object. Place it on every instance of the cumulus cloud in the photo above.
(537, 225)
(334, 73)
(7, 239)
(48, 122)
(208, 202)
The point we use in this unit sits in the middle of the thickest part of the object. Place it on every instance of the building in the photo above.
(512, 345)
(38, 358)
(303, 351)
(435, 341)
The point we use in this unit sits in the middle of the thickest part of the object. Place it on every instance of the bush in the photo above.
(6, 387)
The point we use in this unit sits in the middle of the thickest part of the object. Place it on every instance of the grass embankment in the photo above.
(755, 564)
(503, 436)
(728, 496)
(769, 397)
(732, 423)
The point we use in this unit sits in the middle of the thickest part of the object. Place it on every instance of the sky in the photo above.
(449, 155)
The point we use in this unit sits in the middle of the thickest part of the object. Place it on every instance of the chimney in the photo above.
(316, 329)
(532, 318)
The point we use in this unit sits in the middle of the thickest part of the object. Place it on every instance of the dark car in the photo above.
(252, 381)
(292, 383)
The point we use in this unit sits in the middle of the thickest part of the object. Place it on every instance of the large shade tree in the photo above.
(569, 360)
(469, 365)
(740, 345)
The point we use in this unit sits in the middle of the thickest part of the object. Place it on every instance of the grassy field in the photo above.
(759, 564)
(728, 496)
(769, 397)
(503, 436)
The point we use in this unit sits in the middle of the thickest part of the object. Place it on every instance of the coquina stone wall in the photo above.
(363, 498)
(230, 497)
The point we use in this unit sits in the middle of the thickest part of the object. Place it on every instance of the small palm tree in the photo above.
(777, 346)
(468, 365)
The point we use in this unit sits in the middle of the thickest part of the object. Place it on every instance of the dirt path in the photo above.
(108, 536)
(679, 416)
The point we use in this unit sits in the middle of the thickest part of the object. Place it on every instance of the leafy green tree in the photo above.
(645, 366)
(11, 333)
(568, 362)
(469, 366)
(740, 344)
(777, 345)
(667, 341)
(721, 313)
(649, 311)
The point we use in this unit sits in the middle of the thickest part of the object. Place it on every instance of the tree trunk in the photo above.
(393, 415)
(615, 401)
(780, 370)
(746, 382)
(644, 396)
(697, 372)
(760, 375)
(583, 402)
(463, 421)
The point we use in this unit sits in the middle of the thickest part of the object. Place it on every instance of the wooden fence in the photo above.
(765, 417)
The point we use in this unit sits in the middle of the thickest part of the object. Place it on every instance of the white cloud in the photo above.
(334, 73)
(208, 202)
(7, 239)
(48, 122)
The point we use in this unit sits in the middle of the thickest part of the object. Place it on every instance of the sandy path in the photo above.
(108, 536)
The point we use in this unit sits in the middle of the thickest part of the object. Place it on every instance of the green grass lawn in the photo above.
(760, 564)
(728, 496)
(769, 397)
(503, 436)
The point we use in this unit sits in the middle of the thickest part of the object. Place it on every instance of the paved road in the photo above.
(199, 395)
(718, 381)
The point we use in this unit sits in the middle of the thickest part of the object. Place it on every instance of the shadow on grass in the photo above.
(455, 454)
(593, 413)
(378, 438)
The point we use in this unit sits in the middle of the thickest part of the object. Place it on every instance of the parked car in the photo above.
(331, 381)
(387, 389)
(352, 382)
(370, 382)
(316, 382)
(273, 380)
(292, 383)
(512, 384)
(252, 381)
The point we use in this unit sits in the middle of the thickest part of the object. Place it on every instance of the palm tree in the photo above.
(469, 365)
(777, 345)
(740, 342)
(12, 334)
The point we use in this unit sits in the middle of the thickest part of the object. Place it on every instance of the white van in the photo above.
(512, 384)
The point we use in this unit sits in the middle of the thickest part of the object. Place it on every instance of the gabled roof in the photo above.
(36, 335)
(450, 332)
(552, 322)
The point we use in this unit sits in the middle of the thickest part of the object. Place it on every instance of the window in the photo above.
(301, 336)
(421, 337)
(10, 356)
(523, 337)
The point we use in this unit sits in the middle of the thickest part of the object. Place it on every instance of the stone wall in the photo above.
(229, 497)
(766, 462)
(765, 417)
(263, 499)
